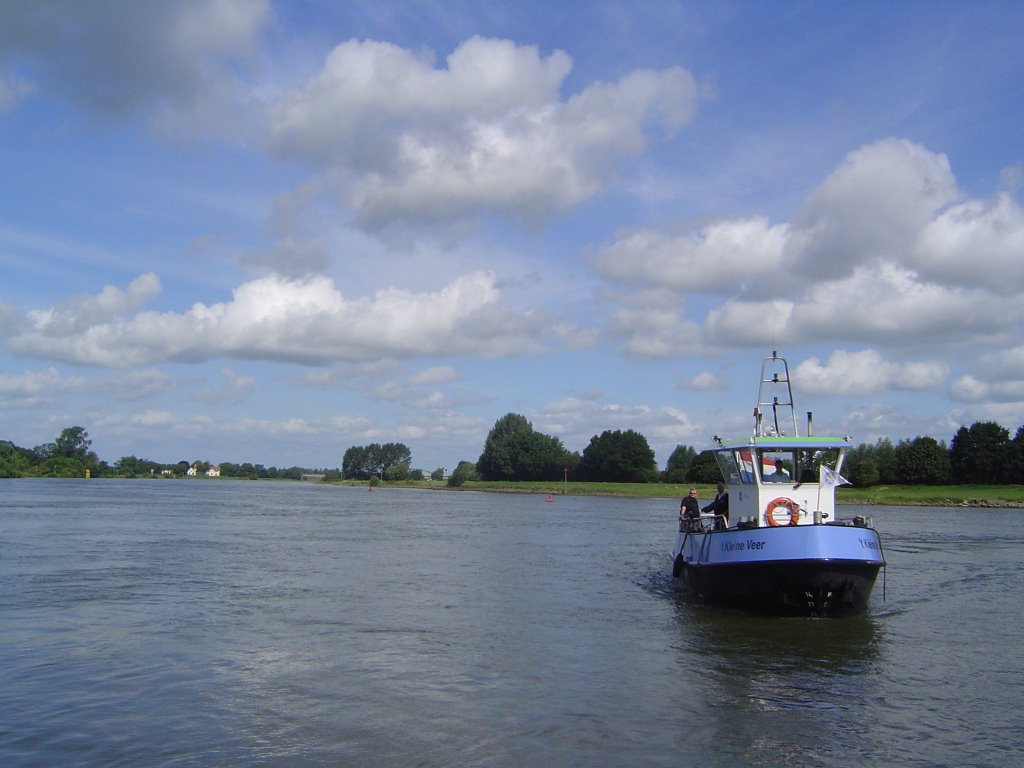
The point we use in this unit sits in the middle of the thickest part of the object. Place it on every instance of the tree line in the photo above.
(70, 455)
(981, 454)
(514, 450)
(389, 461)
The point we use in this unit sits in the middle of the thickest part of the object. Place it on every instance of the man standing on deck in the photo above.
(720, 508)
(689, 509)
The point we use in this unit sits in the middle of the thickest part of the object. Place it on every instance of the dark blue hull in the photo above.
(809, 570)
(811, 588)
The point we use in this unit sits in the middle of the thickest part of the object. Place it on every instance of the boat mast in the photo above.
(776, 393)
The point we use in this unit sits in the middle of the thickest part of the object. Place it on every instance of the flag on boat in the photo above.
(831, 478)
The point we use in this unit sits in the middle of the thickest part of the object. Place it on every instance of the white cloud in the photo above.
(408, 142)
(705, 381)
(749, 322)
(437, 374)
(889, 303)
(1008, 414)
(411, 432)
(873, 206)
(978, 244)
(1007, 362)
(656, 332)
(651, 324)
(33, 388)
(575, 420)
(304, 321)
(138, 385)
(879, 253)
(721, 257)
(347, 375)
(880, 303)
(155, 418)
(80, 313)
(866, 372)
(367, 88)
(969, 389)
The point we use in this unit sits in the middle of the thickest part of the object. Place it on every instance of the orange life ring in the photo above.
(782, 501)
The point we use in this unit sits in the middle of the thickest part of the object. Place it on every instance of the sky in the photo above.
(256, 231)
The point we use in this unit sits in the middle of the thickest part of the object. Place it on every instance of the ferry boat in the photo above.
(781, 549)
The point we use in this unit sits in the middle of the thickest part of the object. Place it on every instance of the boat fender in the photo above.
(677, 565)
(782, 501)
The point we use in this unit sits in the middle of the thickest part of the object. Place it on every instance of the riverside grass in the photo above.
(893, 495)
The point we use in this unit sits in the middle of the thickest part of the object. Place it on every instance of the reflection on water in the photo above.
(779, 644)
(777, 691)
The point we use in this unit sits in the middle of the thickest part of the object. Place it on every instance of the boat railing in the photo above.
(858, 521)
(703, 524)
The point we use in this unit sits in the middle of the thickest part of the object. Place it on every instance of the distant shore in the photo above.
(991, 496)
(977, 496)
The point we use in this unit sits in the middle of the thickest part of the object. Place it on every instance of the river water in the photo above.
(220, 623)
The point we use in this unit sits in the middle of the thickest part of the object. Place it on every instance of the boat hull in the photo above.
(820, 570)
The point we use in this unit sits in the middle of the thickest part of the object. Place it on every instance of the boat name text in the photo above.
(734, 546)
(868, 544)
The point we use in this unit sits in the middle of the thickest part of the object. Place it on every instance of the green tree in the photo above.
(678, 464)
(397, 472)
(60, 466)
(44, 451)
(980, 453)
(882, 458)
(618, 457)
(885, 457)
(466, 470)
(704, 469)
(68, 456)
(862, 473)
(503, 446)
(1016, 463)
(922, 461)
(362, 462)
(72, 443)
(130, 466)
(356, 464)
(14, 461)
(398, 456)
(513, 450)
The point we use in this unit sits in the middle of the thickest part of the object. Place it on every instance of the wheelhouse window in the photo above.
(737, 466)
(729, 463)
(777, 466)
(796, 467)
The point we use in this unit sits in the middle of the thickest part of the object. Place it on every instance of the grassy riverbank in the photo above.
(935, 495)
(911, 495)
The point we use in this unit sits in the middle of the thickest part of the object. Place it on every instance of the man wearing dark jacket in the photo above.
(720, 506)
(689, 509)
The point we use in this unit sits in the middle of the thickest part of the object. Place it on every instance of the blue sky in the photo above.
(256, 231)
